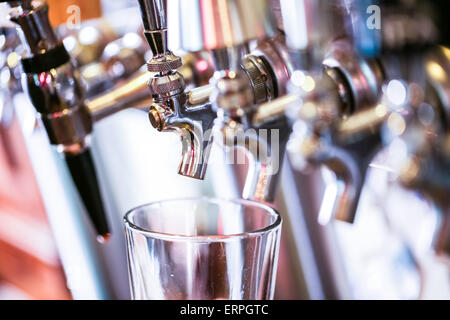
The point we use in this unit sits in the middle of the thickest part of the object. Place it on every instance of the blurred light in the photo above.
(396, 92)
(436, 71)
(111, 49)
(42, 77)
(294, 145)
(148, 55)
(396, 124)
(381, 111)
(88, 35)
(309, 84)
(201, 65)
(297, 78)
(426, 114)
(446, 52)
(118, 69)
(132, 40)
(232, 75)
(12, 60)
(92, 70)
(308, 110)
(70, 43)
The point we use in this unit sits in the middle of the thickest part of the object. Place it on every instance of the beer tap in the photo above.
(340, 111)
(54, 87)
(172, 110)
(334, 99)
(241, 81)
(428, 139)
(414, 42)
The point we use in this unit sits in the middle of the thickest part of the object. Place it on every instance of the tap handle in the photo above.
(66, 121)
(84, 175)
(153, 14)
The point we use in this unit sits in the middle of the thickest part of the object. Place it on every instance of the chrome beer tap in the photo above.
(339, 124)
(426, 168)
(172, 109)
(414, 42)
(334, 99)
(339, 111)
(241, 80)
(54, 87)
(248, 73)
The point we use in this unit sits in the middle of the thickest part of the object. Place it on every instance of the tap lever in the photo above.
(83, 173)
(55, 89)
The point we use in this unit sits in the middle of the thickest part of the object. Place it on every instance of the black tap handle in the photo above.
(83, 173)
(26, 4)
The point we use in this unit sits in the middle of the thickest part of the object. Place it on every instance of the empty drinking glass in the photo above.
(203, 249)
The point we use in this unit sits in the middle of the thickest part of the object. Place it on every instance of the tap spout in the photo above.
(265, 147)
(196, 146)
(194, 124)
(349, 180)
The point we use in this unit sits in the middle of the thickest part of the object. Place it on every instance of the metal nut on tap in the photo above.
(167, 85)
(164, 63)
(158, 114)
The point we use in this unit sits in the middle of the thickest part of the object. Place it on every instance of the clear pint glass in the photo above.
(202, 248)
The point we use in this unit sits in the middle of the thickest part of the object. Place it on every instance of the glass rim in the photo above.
(205, 238)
